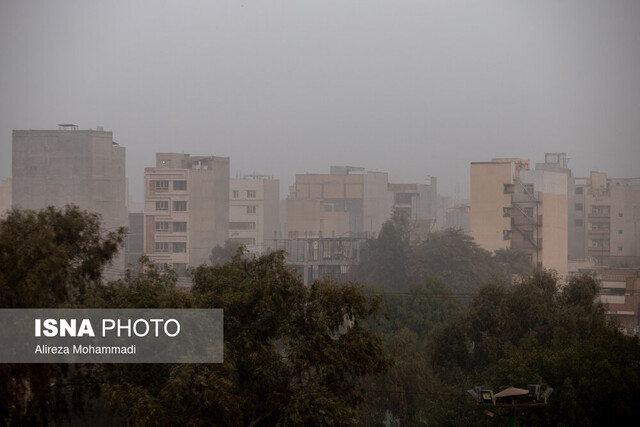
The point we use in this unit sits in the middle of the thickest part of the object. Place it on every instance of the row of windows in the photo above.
(178, 227)
(242, 226)
(178, 206)
(251, 194)
(177, 247)
(164, 185)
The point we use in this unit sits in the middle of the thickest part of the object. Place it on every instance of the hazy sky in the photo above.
(413, 88)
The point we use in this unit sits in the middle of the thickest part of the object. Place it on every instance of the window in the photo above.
(179, 227)
(528, 188)
(619, 231)
(328, 207)
(251, 194)
(579, 206)
(528, 212)
(578, 190)
(236, 194)
(162, 247)
(162, 185)
(506, 212)
(179, 247)
(620, 248)
(579, 223)
(180, 206)
(506, 234)
(344, 269)
(162, 226)
(251, 209)
(242, 225)
(162, 206)
(180, 185)
(528, 234)
(508, 189)
(620, 215)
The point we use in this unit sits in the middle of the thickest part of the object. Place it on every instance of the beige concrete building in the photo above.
(5, 196)
(186, 208)
(347, 202)
(71, 166)
(514, 207)
(254, 212)
(611, 219)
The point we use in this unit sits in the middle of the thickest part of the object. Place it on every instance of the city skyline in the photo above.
(284, 88)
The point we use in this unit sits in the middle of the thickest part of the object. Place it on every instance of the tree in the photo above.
(537, 331)
(224, 254)
(383, 260)
(49, 258)
(293, 354)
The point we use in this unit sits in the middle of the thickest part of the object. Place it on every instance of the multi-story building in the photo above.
(71, 166)
(186, 208)
(611, 219)
(458, 217)
(514, 207)
(5, 196)
(347, 202)
(418, 202)
(254, 212)
(620, 292)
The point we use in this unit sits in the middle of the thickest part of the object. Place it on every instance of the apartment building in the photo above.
(515, 207)
(186, 208)
(348, 201)
(611, 225)
(418, 203)
(254, 212)
(71, 166)
(620, 292)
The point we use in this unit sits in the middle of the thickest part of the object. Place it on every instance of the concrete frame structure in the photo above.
(254, 212)
(315, 258)
(186, 208)
(71, 166)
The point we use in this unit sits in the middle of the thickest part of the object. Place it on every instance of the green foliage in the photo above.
(392, 262)
(383, 260)
(293, 355)
(538, 332)
(49, 258)
(224, 254)
(451, 256)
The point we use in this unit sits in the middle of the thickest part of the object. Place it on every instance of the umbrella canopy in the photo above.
(511, 391)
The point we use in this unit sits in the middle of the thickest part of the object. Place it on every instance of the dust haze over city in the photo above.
(286, 87)
(351, 212)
